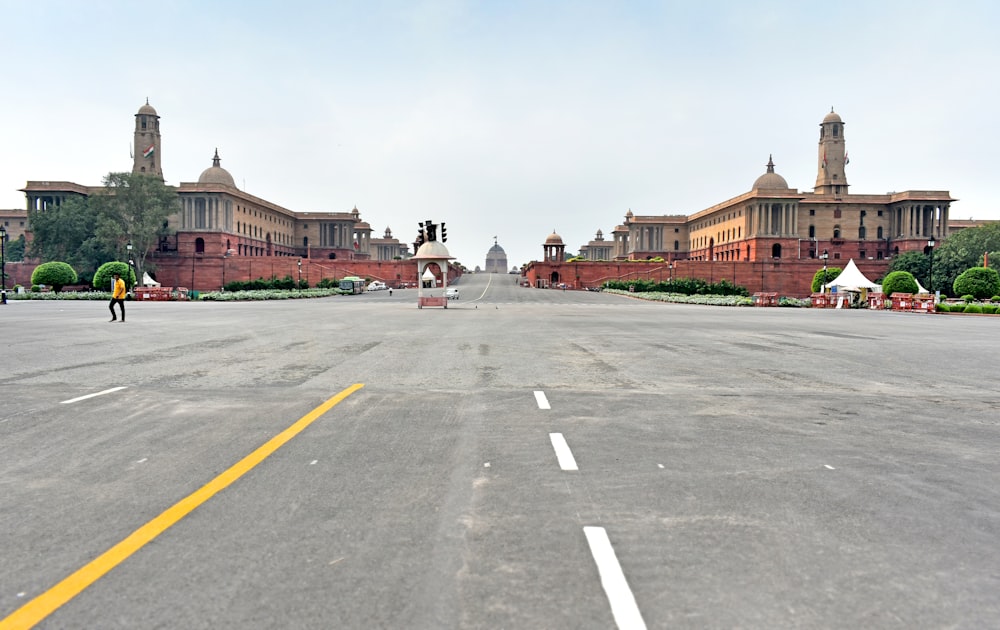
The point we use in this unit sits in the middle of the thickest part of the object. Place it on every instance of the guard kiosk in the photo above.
(432, 252)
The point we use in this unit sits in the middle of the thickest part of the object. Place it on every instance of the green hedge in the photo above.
(683, 286)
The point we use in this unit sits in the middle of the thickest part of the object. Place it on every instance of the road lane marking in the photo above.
(623, 606)
(543, 402)
(78, 399)
(45, 604)
(829, 467)
(563, 454)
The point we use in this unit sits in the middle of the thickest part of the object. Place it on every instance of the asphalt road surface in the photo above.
(525, 458)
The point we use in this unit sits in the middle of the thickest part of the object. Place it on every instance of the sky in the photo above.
(509, 119)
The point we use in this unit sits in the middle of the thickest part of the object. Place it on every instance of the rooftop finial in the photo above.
(215, 159)
(770, 164)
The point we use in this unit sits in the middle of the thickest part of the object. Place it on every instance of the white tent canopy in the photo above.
(851, 279)
(147, 281)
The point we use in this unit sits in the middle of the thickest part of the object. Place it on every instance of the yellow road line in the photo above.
(45, 604)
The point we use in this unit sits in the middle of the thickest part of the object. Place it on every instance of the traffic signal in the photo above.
(444, 233)
(420, 234)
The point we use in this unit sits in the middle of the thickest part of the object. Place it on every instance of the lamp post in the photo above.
(300, 275)
(930, 252)
(131, 262)
(3, 265)
(824, 256)
(670, 266)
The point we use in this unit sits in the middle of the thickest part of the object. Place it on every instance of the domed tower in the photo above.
(830, 177)
(770, 180)
(496, 259)
(215, 174)
(555, 250)
(146, 156)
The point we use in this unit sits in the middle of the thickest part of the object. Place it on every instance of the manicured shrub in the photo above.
(989, 309)
(942, 308)
(968, 299)
(102, 277)
(831, 275)
(899, 282)
(995, 298)
(53, 274)
(973, 308)
(980, 282)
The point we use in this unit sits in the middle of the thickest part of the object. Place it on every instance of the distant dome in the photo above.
(147, 109)
(496, 259)
(215, 174)
(832, 117)
(770, 180)
(554, 239)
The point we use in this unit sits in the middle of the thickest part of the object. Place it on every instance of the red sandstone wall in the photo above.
(791, 278)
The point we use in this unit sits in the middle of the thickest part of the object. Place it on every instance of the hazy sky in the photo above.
(505, 118)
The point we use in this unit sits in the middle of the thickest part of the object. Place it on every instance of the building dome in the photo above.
(496, 259)
(147, 109)
(554, 239)
(832, 117)
(215, 174)
(770, 180)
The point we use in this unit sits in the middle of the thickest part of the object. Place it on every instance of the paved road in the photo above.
(752, 468)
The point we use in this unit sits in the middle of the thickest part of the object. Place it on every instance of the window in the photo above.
(199, 245)
(812, 213)
(880, 232)
(836, 231)
(836, 213)
(863, 253)
(861, 233)
(812, 231)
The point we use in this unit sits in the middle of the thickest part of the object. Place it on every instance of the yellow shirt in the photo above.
(119, 291)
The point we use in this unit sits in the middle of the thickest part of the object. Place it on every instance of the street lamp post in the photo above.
(824, 256)
(670, 266)
(131, 262)
(930, 252)
(3, 265)
(300, 274)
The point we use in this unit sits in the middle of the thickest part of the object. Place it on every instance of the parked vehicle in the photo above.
(451, 293)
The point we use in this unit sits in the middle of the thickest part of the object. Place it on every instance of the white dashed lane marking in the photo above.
(623, 606)
(563, 454)
(543, 402)
(79, 398)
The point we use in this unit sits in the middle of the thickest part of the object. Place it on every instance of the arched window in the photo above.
(199, 245)
(776, 250)
(836, 231)
(879, 232)
(305, 241)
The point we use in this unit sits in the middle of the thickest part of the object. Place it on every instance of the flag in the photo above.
(847, 160)
(149, 152)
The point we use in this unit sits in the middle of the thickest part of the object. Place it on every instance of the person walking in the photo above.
(117, 296)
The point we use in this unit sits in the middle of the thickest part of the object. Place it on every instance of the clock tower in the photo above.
(146, 144)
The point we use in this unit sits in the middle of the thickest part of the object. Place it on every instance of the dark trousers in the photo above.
(121, 305)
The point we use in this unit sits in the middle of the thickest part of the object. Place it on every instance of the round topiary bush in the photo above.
(899, 282)
(53, 274)
(831, 275)
(979, 282)
(102, 277)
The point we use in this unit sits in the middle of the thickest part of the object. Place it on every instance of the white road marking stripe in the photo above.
(623, 606)
(829, 466)
(563, 454)
(107, 391)
(543, 402)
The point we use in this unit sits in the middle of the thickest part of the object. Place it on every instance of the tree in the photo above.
(133, 208)
(981, 283)
(818, 281)
(919, 266)
(962, 250)
(102, 277)
(899, 282)
(53, 274)
(14, 250)
(65, 232)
